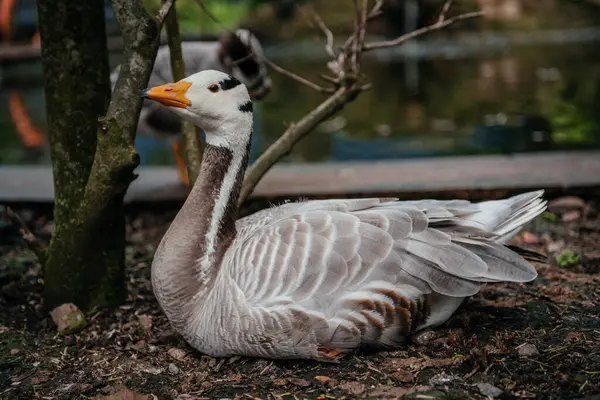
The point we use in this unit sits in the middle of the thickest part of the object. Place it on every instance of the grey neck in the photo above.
(191, 252)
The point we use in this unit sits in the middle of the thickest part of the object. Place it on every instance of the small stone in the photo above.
(177, 354)
(68, 318)
(14, 351)
(442, 379)
(529, 238)
(322, 379)
(528, 350)
(487, 389)
(173, 369)
(424, 337)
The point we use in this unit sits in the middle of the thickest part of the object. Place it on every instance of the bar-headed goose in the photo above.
(315, 279)
(236, 53)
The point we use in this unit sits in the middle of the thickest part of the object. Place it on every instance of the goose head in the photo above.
(212, 100)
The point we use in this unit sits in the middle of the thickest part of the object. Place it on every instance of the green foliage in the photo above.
(567, 258)
(192, 18)
(549, 216)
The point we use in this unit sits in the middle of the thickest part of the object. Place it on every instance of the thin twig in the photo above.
(330, 79)
(28, 236)
(360, 37)
(276, 67)
(164, 10)
(439, 24)
(326, 31)
(296, 131)
(297, 78)
(445, 9)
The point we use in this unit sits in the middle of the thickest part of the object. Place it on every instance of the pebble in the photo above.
(442, 379)
(176, 353)
(425, 337)
(173, 369)
(487, 389)
(527, 350)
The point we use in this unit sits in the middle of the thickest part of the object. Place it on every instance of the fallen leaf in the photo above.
(352, 387)
(68, 318)
(280, 382)
(403, 376)
(124, 394)
(145, 322)
(299, 382)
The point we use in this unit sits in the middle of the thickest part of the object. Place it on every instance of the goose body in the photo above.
(319, 278)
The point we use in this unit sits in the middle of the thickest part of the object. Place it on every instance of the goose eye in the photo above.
(213, 88)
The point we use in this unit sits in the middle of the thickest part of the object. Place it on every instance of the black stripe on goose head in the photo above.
(232, 46)
(229, 83)
(246, 107)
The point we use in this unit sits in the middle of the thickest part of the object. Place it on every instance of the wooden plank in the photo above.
(558, 170)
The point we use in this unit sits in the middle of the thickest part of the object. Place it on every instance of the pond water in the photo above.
(485, 94)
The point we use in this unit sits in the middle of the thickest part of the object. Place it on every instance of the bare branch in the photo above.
(192, 148)
(445, 9)
(297, 78)
(328, 35)
(293, 134)
(28, 236)
(360, 37)
(164, 11)
(330, 79)
(439, 24)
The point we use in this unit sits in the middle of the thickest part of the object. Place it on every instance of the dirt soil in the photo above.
(537, 340)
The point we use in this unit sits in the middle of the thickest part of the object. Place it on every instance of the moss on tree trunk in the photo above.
(75, 60)
(92, 152)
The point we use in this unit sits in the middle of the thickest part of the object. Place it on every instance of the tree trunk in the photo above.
(75, 60)
(93, 158)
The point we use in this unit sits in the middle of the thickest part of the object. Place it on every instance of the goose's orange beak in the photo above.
(170, 94)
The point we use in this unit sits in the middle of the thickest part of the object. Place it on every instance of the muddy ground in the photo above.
(537, 340)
